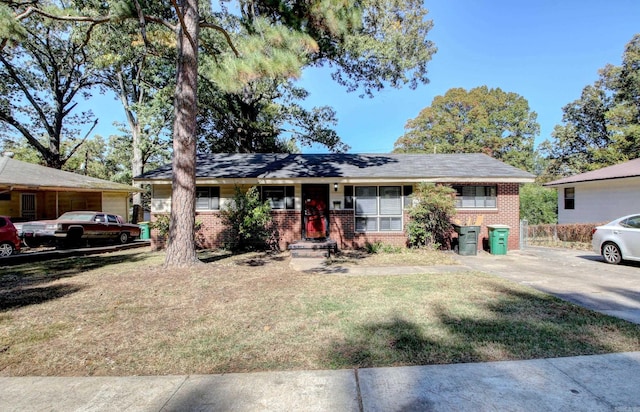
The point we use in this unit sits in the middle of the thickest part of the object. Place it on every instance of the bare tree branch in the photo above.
(182, 24)
(84, 139)
(224, 33)
(31, 10)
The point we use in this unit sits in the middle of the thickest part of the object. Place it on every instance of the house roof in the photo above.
(15, 174)
(619, 171)
(434, 167)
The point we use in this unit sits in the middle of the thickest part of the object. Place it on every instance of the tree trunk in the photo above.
(181, 248)
(137, 163)
(137, 167)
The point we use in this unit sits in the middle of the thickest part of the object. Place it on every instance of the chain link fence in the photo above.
(576, 235)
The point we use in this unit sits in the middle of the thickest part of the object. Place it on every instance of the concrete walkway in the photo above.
(587, 383)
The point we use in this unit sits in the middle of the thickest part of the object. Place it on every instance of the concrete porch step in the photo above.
(308, 253)
(313, 248)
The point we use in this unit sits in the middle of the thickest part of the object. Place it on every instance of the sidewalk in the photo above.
(586, 383)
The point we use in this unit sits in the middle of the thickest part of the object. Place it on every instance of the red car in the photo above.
(9, 239)
(73, 227)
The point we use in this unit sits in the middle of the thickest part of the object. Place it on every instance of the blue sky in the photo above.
(546, 51)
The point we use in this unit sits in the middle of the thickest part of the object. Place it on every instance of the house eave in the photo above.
(574, 182)
(23, 187)
(340, 180)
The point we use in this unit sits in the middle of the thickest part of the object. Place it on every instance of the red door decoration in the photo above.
(315, 215)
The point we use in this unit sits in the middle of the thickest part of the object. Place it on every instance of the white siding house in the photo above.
(600, 195)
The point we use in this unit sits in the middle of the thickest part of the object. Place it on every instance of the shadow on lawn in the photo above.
(517, 325)
(261, 259)
(32, 274)
(13, 299)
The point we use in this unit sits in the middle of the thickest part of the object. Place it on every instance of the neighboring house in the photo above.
(349, 198)
(32, 192)
(600, 195)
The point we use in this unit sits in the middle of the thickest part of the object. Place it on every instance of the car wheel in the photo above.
(6, 249)
(33, 243)
(611, 253)
(123, 238)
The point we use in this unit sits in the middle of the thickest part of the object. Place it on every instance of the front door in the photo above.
(315, 222)
(28, 206)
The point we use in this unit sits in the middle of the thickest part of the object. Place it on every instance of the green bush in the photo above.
(538, 204)
(379, 247)
(162, 223)
(430, 216)
(248, 221)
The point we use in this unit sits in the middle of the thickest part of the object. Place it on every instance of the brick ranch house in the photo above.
(348, 198)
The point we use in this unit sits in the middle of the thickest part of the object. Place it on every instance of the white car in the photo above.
(618, 240)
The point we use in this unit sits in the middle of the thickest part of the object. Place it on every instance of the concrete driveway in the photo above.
(577, 276)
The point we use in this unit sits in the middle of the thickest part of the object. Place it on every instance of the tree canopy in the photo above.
(371, 44)
(602, 127)
(44, 72)
(481, 120)
(266, 117)
(538, 204)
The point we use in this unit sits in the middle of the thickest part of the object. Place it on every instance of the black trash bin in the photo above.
(467, 239)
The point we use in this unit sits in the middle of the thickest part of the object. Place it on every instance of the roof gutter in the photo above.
(341, 180)
(560, 183)
(72, 189)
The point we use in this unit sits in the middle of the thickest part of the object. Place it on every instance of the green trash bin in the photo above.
(467, 239)
(144, 231)
(498, 239)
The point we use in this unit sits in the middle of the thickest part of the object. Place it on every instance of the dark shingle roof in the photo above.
(17, 174)
(619, 171)
(375, 166)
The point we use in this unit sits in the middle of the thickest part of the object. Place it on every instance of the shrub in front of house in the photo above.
(161, 225)
(248, 221)
(433, 207)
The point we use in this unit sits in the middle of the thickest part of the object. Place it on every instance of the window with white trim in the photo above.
(476, 197)
(207, 198)
(378, 209)
(279, 197)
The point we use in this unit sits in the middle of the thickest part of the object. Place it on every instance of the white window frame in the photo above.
(476, 200)
(382, 217)
(213, 202)
(286, 202)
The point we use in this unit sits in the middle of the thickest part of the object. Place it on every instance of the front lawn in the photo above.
(124, 314)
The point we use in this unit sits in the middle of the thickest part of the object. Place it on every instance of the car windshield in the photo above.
(76, 216)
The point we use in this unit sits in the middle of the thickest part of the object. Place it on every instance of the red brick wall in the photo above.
(288, 225)
(212, 233)
(342, 225)
(507, 213)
